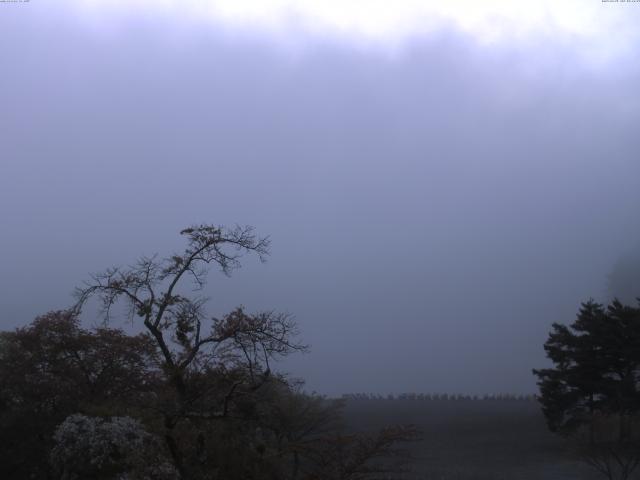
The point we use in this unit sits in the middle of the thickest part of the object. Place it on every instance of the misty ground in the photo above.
(474, 440)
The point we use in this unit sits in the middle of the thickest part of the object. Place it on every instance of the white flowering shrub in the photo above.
(116, 448)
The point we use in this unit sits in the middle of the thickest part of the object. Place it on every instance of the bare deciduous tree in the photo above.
(237, 347)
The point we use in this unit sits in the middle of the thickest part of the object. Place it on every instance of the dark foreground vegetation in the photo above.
(191, 397)
(195, 397)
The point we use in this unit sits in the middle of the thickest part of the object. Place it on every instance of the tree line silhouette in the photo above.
(456, 397)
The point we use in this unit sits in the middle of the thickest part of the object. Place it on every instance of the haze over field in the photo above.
(440, 182)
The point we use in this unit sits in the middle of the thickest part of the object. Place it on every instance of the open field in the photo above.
(474, 440)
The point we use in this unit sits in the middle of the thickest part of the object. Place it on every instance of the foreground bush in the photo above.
(119, 447)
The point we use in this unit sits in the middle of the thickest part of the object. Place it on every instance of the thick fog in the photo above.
(432, 209)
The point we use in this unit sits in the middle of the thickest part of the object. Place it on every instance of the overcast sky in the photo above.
(440, 180)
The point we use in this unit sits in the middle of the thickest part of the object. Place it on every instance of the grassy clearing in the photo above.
(474, 439)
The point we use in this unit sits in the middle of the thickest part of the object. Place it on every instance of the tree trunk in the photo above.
(169, 424)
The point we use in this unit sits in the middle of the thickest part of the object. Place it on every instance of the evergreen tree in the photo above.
(591, 392)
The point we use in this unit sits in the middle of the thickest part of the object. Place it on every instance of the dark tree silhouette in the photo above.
(238, 346)
(591, 395)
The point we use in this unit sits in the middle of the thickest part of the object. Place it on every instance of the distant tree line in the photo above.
(441, 397)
